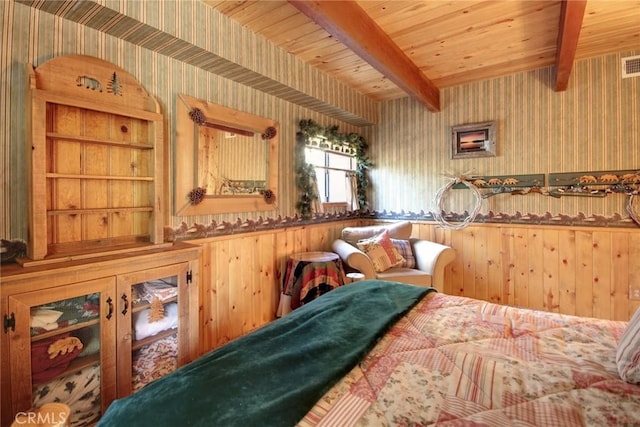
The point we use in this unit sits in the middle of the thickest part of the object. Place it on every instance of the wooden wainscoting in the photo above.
(582, 271)
(241, 274)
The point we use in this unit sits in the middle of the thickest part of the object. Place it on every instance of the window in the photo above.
(331, 169)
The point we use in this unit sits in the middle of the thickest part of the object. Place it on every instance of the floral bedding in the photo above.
(458, 361)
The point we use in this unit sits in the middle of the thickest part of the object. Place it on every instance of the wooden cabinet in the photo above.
(81, 314)
(41, 373)
(96, 160)
(89, 331)
(102, 305)
(153, 315)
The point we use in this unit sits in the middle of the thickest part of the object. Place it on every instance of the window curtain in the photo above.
(352, 191)
(316, 205)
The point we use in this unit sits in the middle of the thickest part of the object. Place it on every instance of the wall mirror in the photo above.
(225, 160)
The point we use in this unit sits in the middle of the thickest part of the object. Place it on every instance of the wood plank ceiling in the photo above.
(389, 49)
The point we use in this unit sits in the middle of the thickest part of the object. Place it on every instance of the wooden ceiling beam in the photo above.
(350, 24)
(571, 16)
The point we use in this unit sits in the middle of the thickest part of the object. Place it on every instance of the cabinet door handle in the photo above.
(110, 304)
(126, 304)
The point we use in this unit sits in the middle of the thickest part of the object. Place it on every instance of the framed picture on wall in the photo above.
(473, 140)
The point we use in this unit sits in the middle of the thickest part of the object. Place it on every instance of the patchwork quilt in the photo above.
(458, 361)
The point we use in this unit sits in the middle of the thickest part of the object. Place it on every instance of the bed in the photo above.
(378, 353)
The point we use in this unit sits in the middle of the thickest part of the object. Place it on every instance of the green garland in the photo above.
(304, 171)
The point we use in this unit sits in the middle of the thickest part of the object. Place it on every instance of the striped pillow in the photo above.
(404, 247)
(628, 354)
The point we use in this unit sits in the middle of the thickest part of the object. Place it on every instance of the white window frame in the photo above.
(323, 171)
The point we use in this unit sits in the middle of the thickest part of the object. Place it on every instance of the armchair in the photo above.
(431, 258)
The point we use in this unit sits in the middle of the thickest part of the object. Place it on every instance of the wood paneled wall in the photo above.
(241, 276)
(579, 271)
(592, 272)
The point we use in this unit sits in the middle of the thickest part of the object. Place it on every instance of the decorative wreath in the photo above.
(440, 201)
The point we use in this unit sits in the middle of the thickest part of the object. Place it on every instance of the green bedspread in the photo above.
(273, 376)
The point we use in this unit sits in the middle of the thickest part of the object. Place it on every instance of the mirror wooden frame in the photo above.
(186, 160)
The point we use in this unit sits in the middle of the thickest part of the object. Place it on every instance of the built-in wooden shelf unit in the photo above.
(96, 163)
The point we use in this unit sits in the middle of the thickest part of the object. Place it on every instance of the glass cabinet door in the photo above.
(152, 318)
(58, 351)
